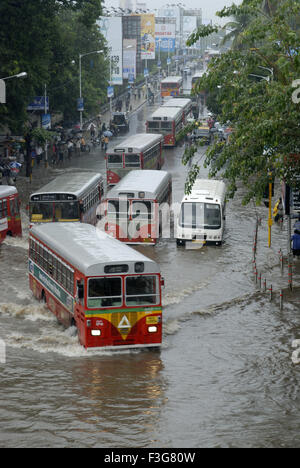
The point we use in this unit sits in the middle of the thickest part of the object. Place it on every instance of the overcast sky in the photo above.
(209, 7)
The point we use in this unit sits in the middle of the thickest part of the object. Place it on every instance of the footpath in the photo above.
(42, 174)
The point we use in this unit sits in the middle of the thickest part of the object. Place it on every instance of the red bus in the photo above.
(182, 103)
(167, 121)
(171, 86)
(10, 217)
(109, 291)
(134, 207)
(140, 151)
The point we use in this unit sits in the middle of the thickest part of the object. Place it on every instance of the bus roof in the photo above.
(75, 183)
(197, 75)
(172, 79)
(207, 190)
(165, 113)
(178, 102)
(7, 190)
(150, 182)
(137, 143)
(89, 249)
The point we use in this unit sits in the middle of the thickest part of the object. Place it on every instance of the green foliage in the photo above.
(262, 113)
(44, 38)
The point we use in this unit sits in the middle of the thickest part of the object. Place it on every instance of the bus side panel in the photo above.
(40, 293)
(14, 218)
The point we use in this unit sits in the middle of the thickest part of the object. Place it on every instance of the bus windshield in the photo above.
(115, 160)
(132, 160)
(105, 292)
(117, 209)
(200, 215)
(142, 290)
(54, 211)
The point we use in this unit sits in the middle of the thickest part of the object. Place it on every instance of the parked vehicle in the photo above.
(121, 121)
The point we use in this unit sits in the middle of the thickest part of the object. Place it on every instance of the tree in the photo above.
(43, 37)
(264, 117)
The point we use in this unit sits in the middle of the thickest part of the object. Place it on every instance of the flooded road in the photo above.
(223, 378)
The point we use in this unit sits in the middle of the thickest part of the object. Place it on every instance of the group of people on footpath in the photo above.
(278, 218)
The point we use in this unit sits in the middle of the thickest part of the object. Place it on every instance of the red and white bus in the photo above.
(171, 86)
(74, 196)
(182, 103)
(10, 217)
(140, 151)
(167, 121)
(110, 292)
(133, 211)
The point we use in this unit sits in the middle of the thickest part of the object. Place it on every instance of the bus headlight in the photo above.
(95, 332)
(152, 329)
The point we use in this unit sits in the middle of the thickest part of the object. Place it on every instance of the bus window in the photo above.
(67, 211)
(132, 160)
(153, 125)
(142, 209)
(117, 209)
(142, 290)
(200, 215)
(105, 292)
(41, 212)
(115, 160)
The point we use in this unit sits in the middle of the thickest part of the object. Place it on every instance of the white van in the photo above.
(202, 213)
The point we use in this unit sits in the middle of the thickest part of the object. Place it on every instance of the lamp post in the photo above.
(3, 87)
(80, 86)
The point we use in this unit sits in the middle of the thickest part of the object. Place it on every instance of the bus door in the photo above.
(14, 218)
(142, 220)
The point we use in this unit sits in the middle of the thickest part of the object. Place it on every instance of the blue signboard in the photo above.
(46, 121)
(80, 105)
(166, 44)
(110, 91)
(146, 72)
(38, 103)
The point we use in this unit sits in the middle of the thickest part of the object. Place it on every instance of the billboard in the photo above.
(166, 33)
(38, 103)
(129, 59)
(147, 37)
(111, 29)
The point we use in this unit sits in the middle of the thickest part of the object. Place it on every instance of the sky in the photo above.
(209, 7)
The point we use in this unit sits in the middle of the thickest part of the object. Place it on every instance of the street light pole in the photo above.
(80, 84)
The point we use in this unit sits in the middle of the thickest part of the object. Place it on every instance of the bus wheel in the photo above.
(180, 242)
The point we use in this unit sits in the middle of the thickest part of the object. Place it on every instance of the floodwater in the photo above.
(224, 376)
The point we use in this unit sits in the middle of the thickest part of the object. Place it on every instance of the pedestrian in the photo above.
(103, 127)
(54, 153)
(296, 243)
(78, 147)
(60, 155)
(70, 149)
(92, 130)
(278, 211)
(39, 152)
(106, 140)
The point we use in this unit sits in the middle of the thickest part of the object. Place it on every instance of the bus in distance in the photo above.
(202, 214)
(109, 291)
(167, 121)
(73, 196)
(171, 86)
(10, 217)
(132, 207)
(140, 151)
(181, 103)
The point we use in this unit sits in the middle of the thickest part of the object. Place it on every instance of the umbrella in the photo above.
(107, 133)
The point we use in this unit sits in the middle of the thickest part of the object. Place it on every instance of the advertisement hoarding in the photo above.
(111, 29)
(147, 37)
(166, 33)
(129, 58)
